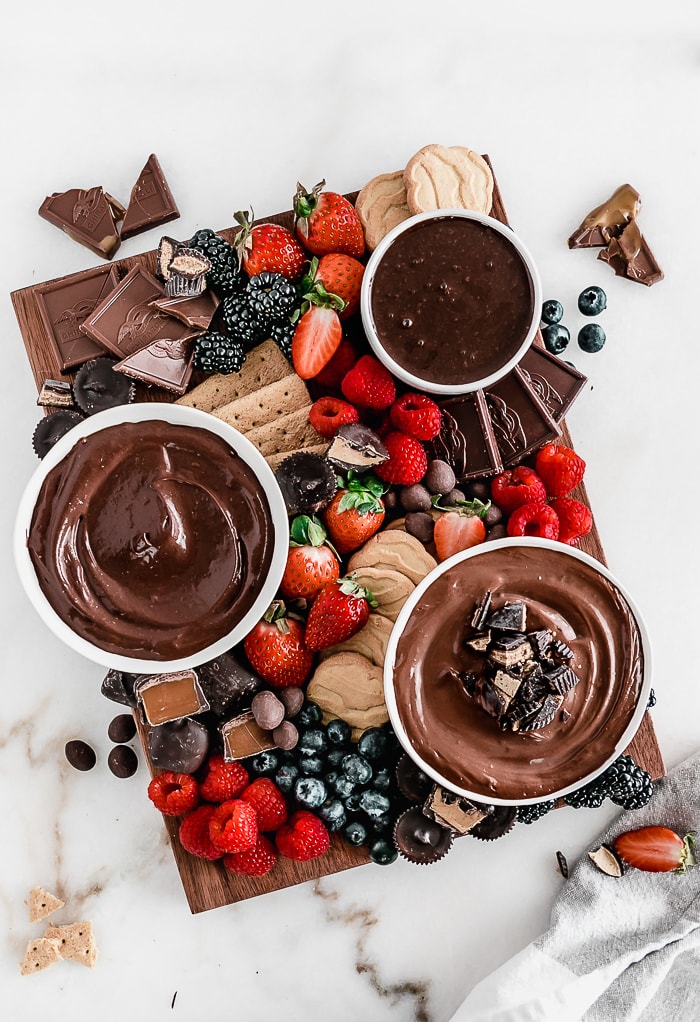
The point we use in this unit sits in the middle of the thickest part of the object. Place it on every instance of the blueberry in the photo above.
(592, 301)
(372, 743)
(338, 732)
(552, 311)
(332, 812)
(286, 776)
(312, 742)
(352, 802)
(383, 852)
(383, 780)
(555, 337)
(356, 768)
(311, 792)
(310, 714)
(374, 803)
(343, 786)
(591, 337)
(335, 757)
(311, 765)
(355, 833)
(264, 763)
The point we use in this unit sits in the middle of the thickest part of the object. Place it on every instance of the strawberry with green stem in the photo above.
(311, 561)
(268, 247)
(356, 512)
(327, 222)
(275, 648)
(318, 331)
(337, 274)
(339, 611)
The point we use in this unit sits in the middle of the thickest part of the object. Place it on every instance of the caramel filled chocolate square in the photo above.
(520, 421)
(243, 737)
(65, 304)
(86, 216)
(165, 697)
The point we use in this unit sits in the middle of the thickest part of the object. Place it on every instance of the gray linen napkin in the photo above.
(617, 950)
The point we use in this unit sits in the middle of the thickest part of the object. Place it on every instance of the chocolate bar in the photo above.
(166, 363)
(86, 216)
(65, 304)
(151, 202)
(466, 440)
(630, 256)
(520, 421)
(556, 383)
(196, 312)
(608, 220)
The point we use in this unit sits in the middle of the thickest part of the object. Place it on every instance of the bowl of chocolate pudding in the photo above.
(151, 538)
(450, 301)
(572, 601)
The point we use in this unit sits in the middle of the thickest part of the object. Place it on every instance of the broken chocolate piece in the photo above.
(65, 304)
(491, 699)
(466, 440)
(453, 811)
(195, 312)
(119, 687)
(543, 716)
(243, 737)
(540, 641)
(151, 203)
(556, 383)
(479, 642)
(560, 651)
(356, 447)
(630, 256)
(166, 697)
(167, 363)
(55, 394)
(510, 650)
(561, 679)
(226, 682)
(86, 216)
(607, 220)
(481, 611)
(508, 618)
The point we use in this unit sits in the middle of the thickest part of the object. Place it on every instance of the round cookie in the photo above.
(371, 641)
(394, 550)
(448, 177)
(390, 588)
(381, 205)
(348, 686)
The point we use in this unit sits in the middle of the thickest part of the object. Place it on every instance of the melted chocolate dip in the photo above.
(151, 539)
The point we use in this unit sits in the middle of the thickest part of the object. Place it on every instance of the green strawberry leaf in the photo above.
(306, 531)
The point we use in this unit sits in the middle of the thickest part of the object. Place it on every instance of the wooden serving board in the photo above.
(208, 885)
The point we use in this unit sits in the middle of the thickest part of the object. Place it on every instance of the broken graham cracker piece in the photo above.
(42, 904)
(289, 432)
(40, 954)
(76, 941)
(265, 405)
(263, 365)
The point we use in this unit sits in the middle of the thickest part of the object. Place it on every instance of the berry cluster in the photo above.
(624, 783)
(591, 337)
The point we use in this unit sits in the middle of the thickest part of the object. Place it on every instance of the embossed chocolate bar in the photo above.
(87, 216)
(166, 363)
(151, 202)
(520, 421)
(466, 440)
(196, 311)
(556, 383)
(65, 304)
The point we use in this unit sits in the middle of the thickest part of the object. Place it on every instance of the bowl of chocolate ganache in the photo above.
(151, 538)
(450, 301)
(451, 737)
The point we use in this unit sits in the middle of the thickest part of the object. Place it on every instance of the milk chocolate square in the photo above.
(520, 421)
(65, 304)
(466, 440)
(86, 215)
(166, 363)
(151, 202)
(556, 383)
(165, 697)
(196, 311)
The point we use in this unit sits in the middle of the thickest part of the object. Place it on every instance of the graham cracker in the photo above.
(40, 954)
(76, 941)
(288, 433)
(265, 405)
(263, 365)
(276, 459)
(42, 904)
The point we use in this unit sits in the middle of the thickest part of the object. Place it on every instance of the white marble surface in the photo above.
(238, 104)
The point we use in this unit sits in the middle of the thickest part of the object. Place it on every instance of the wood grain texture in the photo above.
(208, 885)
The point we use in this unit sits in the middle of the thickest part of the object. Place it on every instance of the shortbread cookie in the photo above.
(288, 433)
(40, 954)
(371, 641)
(263, 365)
(42, 904)
(390, 588)
(448, 177)
(381, 206)
(76, 941)
(394, 550)
(349, 686)
(265, 405)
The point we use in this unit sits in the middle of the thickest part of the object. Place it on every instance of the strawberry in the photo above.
(327, 222)
(316, 338)
(559, 468)
(194, 834)
(355, 513)
(304, 837)
(575, 519)
(268, 802)
(534, 520)
(369, 384)
(311, 563)
(341, 363)
(460, 528)
(339, 611)
(268, 247)
(174, 794)
(254, 862)
(407, 462)
(328, 413)
(515, 487)
(234, 826)
(276, 650)
(223, 781)
(340, 275)
(417, 415)
(656, 850)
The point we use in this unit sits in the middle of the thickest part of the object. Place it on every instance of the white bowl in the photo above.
(413, 380)
(178, 415)
(470, 598)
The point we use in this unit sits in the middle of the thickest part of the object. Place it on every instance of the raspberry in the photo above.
(407, 462)
(304, 837)
(575, 519)
(559, 468)
(223, 781)
(329, 413)
(534, 520)
(515, 487)
(341, 363)
(417, 415)
(267, 801)
(255, 861)
(174, 794)
(194, 834)
(369, 384)
(234, 826)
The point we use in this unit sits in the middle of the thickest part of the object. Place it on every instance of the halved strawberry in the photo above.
(656, 850)
(460, 529)
(316, 338)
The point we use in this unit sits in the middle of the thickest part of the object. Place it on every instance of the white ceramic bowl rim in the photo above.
(177, 415)
(394, 367)
(405, 613)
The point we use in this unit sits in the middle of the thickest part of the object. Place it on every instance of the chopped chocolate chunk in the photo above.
(86, 216)
(97, 387)
(511, 650)
(508, 618)
(151, 203)
(563, 865)
(607, 220)
(496, 823)
(468, 680)
(420, 839)
(479, 642)
(459, 814)
(180, 745)
(187, 274)
(561, 679)
(55, 394)
(544, 715)
(119, 687)
(507, 684)
(226, 682)
(356, 447)
(630, 256)
(481, 611)
(51, 428)
(560, 651)
(540, 641)
(167, 247)
(489, 698)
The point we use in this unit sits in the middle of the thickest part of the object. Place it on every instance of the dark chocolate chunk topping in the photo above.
(307, 481)
(356, 447)
(481, 611)
(119, 687)
(540, 641)
(561, 679)
(226, 682)
(508, 618)
(544, 715)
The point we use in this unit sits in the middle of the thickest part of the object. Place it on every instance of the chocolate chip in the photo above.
(122, 728)
(122, 761)
(80, 755)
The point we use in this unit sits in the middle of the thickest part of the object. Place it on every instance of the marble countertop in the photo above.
(239, 106)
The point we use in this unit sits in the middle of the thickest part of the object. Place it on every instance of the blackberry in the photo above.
(271, 296)
(216, 353)
(282, 334)
(225, 276)
(624, 783)
(528, 814)
(240, 321)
